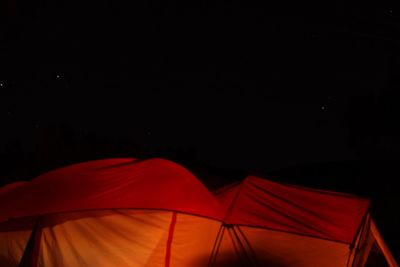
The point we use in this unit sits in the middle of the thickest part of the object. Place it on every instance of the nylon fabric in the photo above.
(14, 236)
(362, 245)
(262, 203)
(155, 213)
(121, 238)
(193, 240)
(279, 249)
(228, 253)
(110, 184)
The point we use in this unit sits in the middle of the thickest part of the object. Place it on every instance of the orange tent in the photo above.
(129, 212)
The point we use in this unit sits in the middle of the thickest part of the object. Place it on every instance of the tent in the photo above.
(286, 225)
(154, 212)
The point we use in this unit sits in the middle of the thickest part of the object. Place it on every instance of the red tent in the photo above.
(285, 225)
(129, 212)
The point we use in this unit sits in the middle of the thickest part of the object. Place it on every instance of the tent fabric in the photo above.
(14, 236)
(285, 249)
(130, 212)
(263, 203)
(109, 184)
(363, 244)
(369, 243)
(138, 239)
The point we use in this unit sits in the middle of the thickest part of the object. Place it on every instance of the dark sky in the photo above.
(233, 84)
(308, 91)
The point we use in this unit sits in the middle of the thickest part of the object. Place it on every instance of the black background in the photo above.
(305, 93)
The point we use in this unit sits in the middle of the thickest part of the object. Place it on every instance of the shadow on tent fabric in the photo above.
(6, 262)
(233, 260)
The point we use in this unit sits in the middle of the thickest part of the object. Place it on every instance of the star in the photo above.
(323, 107)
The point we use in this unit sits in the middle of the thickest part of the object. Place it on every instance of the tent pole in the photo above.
(235, 246)
(247, 257)
(358, 239)
(382, 245)
(252, 255)
(30, 257)
(217, 244)
(169, 240)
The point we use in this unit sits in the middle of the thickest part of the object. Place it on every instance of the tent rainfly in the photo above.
(154, 212)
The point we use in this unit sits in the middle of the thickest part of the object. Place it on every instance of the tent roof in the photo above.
(164, 185)
(323, 214)
(110, 184)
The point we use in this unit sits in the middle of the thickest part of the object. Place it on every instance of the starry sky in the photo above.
(307, 91)
(229, 84)
(226, 83)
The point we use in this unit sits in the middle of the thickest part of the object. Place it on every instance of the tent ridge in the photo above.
(233, 202)
(315, 190)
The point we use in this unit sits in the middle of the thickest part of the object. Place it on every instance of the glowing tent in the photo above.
(129, 212)
(274, 224)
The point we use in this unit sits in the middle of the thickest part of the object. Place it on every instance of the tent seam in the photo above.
(169, 240)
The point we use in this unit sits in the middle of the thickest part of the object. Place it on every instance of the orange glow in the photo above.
(155, 213)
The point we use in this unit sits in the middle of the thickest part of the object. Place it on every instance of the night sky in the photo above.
(304, 94)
